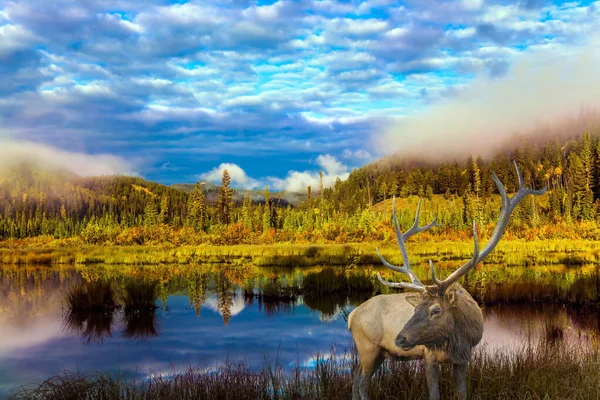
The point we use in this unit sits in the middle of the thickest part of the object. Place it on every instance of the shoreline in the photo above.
(509, 253)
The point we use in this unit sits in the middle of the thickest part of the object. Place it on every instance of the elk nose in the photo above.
(400, 340)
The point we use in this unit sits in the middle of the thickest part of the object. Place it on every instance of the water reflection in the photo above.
(90, 326)
(160, 318)
(140, 324)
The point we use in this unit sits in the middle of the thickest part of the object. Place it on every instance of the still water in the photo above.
(206, 322)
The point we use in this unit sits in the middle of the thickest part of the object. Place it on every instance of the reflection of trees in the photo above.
(26, 291)
(90, 326)
(553, 324)
(140, 324)
(140, 294)
(225, 294)
(328, 306)
(273, 308)
(140, 308)
(197, 283)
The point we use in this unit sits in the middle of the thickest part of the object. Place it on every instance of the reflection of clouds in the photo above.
(498, 334)
(29, 319)
(33, 348)
(236, 308)
(340, 358)
(29, 333)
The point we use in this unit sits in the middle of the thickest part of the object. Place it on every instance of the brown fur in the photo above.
(450, 337)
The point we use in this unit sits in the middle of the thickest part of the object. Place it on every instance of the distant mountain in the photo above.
(258, 196)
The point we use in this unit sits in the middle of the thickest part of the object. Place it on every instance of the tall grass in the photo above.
(508, 252)
(538, 370)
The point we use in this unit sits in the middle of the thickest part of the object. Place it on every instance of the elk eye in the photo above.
(436, 311)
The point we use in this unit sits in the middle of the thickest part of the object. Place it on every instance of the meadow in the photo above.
(509, 252)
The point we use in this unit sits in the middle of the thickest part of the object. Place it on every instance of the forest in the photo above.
(121, 210)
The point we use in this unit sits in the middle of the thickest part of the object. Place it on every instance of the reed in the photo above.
(538, 370)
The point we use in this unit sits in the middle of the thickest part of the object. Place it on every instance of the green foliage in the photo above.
(126, 210)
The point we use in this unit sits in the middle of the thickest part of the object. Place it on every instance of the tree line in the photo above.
(129, 210)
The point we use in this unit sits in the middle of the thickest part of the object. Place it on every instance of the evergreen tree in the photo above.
(225, 199)
(164, 209)
(150, 214)
(247, 211)
(266, 215)
(196, 207)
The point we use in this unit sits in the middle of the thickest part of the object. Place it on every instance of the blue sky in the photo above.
(274, 91)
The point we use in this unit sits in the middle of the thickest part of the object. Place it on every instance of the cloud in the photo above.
(360, 154)
(14, 37)
(239, 79)
(48, 157)
(542, 85)
(297, 181)
(238, 176)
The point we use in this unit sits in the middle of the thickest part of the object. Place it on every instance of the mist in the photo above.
(36, 155)
(543, 87)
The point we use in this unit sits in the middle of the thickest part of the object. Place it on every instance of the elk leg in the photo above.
(432, 371)
(460, 380)
(370, 361)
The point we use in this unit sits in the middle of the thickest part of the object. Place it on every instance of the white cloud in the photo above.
(43, 156)
(360, 154)
(331, 165)
(543, 84)
(239, 177)
(14, 37)
(236, 307)
(297, 181)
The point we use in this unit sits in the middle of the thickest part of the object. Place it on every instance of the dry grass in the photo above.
(508, 252)
(535, 371)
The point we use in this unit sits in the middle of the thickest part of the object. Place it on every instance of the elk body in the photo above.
(441, 323)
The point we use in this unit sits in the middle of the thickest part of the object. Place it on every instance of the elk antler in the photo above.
(508, 205)
(415, 282)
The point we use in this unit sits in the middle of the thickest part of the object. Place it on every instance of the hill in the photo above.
(565, 158)
(35, 202)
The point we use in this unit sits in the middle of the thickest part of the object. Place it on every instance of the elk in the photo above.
(440, 323)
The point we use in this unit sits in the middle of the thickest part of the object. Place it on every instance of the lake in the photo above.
(206, 316)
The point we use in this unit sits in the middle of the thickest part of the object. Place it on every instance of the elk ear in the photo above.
(414, 299)
(452, 297)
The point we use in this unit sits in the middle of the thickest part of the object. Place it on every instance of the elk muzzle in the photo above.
(403, 342)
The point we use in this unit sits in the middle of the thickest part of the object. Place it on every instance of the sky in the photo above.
(177, 91)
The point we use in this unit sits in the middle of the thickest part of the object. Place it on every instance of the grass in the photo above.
(508, 252)
(539, 370)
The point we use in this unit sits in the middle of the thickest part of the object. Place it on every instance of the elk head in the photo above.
(445, 313)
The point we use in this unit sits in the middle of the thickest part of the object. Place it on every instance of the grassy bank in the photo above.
(516, 252)
(540, 371)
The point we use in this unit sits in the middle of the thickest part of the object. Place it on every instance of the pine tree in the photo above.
(266, 216)
(577, 186)
(587, 158)
(247, 211)
(150, 213)
(197, 207)
(164, 209)
(383, 191)
(225, 199)
(366, 222)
